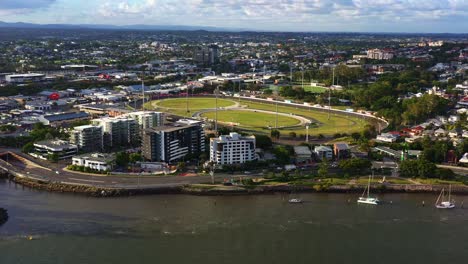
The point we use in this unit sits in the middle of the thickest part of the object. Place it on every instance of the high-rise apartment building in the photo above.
(232, 149)
(88, 138)
(118, 131)
(147, 119)
(206, 55)
(172, 143)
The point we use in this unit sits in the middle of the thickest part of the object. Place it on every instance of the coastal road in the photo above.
(41, 170)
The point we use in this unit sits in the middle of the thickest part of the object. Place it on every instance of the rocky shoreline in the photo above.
(197, 189)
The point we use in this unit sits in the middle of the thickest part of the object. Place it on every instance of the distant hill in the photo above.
(127, 27)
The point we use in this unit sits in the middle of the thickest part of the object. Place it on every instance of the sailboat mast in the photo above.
(440, 195)
(368, 186)
(450, 192)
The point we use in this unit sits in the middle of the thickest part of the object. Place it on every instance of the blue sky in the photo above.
(281, 15)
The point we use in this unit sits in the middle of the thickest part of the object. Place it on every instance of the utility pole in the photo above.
(302, 70)
(212, 174)
(239, 92)
(329, 94)
(276, 121)
(216, 110)
(290, 72)
(188, 111)
(307, 133)
(143, 93)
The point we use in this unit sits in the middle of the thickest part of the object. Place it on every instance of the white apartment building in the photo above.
(118, 131)
(232, 149)
(88, 138)
(147, 119)
(377, 54)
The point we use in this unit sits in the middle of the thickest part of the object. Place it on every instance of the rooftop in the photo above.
(302, 150)
(322, 148)
(341, 146)
(97, 157)
(84, 127)
(55, 144)
(65, 116)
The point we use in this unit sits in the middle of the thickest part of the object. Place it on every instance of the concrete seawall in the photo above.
(228, 190)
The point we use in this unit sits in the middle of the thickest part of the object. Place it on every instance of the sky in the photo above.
(449, 16)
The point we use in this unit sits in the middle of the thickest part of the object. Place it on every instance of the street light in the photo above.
(188, 111)
(216, 110)
(307, 133)
(302, 70)
(212, 175)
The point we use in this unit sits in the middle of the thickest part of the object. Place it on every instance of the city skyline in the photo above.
(447, 16)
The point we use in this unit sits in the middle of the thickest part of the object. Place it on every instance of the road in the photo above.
(38, 169)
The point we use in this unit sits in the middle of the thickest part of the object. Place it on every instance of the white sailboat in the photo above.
(366, 199)
(295, 200)
(445, 203)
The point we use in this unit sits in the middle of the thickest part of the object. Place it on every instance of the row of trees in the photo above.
(422, 168)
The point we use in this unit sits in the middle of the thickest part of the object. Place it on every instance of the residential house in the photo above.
(387, 137)
(416, 131)
(341, 151)
(455, 133)
(465, 134)
(323, 152)
(453, 119)
(302, 154)
(464, 159)
(440, 132)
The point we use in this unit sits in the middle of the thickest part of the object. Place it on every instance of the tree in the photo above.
(282, 155)
(292, 134)
(356, 136)
(409, 168)
(135, 157)
(323, 169)
(181, 165)
(122, 159)
(28, 148)
(53, 157)
(355, 166)
(418, 168)
(275, 133)
(263, 141)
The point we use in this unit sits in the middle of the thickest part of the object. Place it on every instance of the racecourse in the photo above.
(252, 119)
(322, 122)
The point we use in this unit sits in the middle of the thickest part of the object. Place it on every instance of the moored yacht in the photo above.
(365, 198)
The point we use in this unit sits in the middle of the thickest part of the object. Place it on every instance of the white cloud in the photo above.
(254, 14)
(285, 9)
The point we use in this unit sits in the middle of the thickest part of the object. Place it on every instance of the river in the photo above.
(327, 228)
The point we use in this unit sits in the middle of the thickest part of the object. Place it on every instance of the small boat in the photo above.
(366, 199)
(295, 200)
(445, 203)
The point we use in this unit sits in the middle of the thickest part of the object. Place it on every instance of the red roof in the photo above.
(417, 128)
